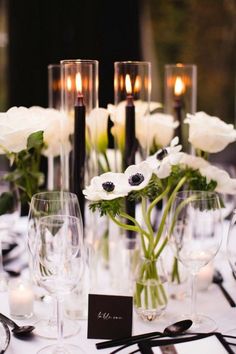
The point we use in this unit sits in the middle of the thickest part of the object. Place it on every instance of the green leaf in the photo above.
(6, 202)
(35, 140)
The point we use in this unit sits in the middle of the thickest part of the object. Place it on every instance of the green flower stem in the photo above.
(140, 230)
(107, 161)
(122, 225)
(146, 219)
(175, 271)
(162, 247)
(157, 200)
(167, 208)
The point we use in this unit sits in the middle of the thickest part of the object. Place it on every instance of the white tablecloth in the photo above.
(210, 302)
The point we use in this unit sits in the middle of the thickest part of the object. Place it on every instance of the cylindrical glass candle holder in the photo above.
(132, 90)
(79, 98)
(21, 298)
(54, 86)
(181, 96)
(56, 163)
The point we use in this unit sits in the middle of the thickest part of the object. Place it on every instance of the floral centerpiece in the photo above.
(157, 179)
(25, 135)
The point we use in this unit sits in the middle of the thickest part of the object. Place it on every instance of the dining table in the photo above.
(210, 301)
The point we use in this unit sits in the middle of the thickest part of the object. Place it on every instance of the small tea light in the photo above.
(205, 276)
(21, 298)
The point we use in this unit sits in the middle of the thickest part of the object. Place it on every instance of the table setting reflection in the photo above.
(111, 235)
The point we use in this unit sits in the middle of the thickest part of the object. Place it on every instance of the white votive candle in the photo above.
(21, 298)
(205, 276)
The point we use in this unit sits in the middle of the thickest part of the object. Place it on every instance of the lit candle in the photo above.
(205, 276)
(130, 147)
(79, 145)
(179, 89)
(21, 298)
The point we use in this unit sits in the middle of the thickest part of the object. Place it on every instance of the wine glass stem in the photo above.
(193, 296)
(1, 261)
(60, 322)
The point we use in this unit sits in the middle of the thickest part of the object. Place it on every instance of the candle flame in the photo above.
(137, 84)
(78, 83)
(69, 83)
(128, 85)
(179, 88)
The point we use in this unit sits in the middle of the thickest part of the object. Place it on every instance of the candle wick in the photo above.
(130, 100)
(80, 99)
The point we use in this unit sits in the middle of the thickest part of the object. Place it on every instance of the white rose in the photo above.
(15, 127)
(57, 129)
(159, 129)
(117, 114)
(209, 133)
(225, 184)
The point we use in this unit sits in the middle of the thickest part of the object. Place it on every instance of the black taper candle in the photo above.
(129, 155)
(178, 106)
(79, 151)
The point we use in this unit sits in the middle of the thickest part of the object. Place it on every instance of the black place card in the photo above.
(109, 316)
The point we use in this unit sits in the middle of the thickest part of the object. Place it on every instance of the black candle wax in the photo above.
(130, 140)
(178, 108)
(79, 152)
(129, 157)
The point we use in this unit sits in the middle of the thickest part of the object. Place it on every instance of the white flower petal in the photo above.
(143, 174)
(209, 133)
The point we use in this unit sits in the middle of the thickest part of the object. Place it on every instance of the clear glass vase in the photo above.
(150, 289)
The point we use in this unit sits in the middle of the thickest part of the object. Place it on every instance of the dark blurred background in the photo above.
(35, 33)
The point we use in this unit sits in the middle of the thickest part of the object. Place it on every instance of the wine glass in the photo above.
(58, 266)
(45, 204)
(195, 231)
(9, 213)
(231, 243)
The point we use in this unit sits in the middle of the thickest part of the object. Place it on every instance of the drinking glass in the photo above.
(45, 204)
(195, 231)
(58, 265)
(9, 213)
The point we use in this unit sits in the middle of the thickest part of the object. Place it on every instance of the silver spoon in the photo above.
(17, 330)
(171, 330)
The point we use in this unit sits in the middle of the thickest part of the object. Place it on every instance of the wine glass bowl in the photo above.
(57, 266)
(195, 231)
(42, 205)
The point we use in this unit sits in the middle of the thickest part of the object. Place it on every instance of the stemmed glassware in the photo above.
(46, 204)
(8, 218)
(195, 231)
(57, 266)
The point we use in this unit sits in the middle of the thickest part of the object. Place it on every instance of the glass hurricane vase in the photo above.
(150, 289)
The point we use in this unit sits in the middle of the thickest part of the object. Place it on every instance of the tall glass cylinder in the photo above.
(55, 163)
(79, 98)
(132, 90)
(181, 96)
(54, 86)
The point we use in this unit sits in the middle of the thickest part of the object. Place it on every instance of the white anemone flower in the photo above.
(107, 186)
(225, 184)
(209, 133)
(163, 160)
(138, 175)
(192, 161)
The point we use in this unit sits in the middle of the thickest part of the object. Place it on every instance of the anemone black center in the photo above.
(136, 179)
(161, 154)
(108, 186)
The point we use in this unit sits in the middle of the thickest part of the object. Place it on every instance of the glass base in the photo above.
(66, 349)
(201, 323)
(48, 328)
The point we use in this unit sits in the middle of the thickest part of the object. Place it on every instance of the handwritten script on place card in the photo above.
(109, 316)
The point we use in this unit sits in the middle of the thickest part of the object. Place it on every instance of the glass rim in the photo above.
(133, 62)
(41, 195)
(56, 65)
(180, 65)
(79, 61)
